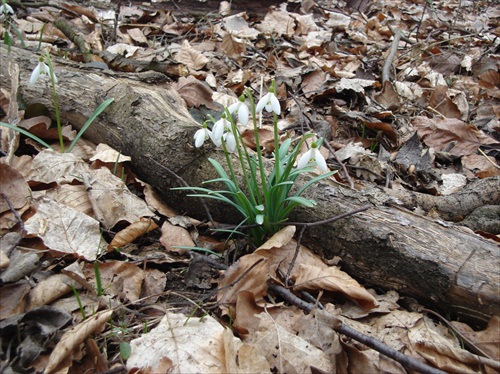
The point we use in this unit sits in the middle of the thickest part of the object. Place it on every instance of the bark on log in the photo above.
(442, 265)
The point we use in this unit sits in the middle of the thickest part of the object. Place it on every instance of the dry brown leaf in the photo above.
(132, 232)
(194, 345)
(439, 133)
(195, 92)
(119, 279)
(111, 200)
(241, 357)
(72, 338)
(441, 102)
(14, 299)
(72, 195)
(14, 187)
(40, 126)
(105, 153)
(49, 289)
(4, 260)
(255, 280)
(50, 166)
(232, 46)
(153, 200)
(67, 230)
(190, 57)
(277, 22)
(137, 36)
(488, 340)
(389, 98)
(173, 236)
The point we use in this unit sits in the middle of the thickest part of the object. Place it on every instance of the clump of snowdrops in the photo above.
(267, 198)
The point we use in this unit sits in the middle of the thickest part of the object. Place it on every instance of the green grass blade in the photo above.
(24, 132)
(92, 118)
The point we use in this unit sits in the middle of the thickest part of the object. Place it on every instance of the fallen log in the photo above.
(444, 266)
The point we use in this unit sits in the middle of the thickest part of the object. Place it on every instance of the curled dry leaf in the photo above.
(132, 232)
(49, 289)
(72, 338)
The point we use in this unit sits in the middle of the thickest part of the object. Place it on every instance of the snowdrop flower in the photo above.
(230, 141)
(6, 8)
(241, 109)
(220, 126)
(41, 69)
(313, 154)
(201, 135)
(270, 102)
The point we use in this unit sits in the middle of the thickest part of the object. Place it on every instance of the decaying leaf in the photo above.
(61, 356)
(441, 134)
(190, 57)
(132, 232)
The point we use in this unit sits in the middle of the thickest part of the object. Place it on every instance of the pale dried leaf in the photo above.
(105, 153)
(72, 195)
(67, 230)
(237, 26)
(49, 166)
(74, 337)
(241, 357)
(111, 200)
(488, 340)
(137, 35)
(232, 46)
(194, 345)
(190, 57)
(154, 201)
(49, 289)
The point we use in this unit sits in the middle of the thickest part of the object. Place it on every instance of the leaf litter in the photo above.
(105, 269)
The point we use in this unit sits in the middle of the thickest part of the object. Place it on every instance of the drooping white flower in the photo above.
(241, 109)
(270, 102)
(201, 135)
(220, 126)
(313, 154)
(6, 8)
(230, 141)
(41, 70)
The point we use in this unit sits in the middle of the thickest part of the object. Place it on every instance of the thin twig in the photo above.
(390, 57)
(341, 328)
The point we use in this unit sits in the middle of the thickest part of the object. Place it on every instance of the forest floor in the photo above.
(406, 95)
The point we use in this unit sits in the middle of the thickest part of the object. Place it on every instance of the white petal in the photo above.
(233, 107)
(218, 129)
(6, 8)
(243, 114)
(275, 104)
(262, 103)
(320, 160)
(304, 160)
(35, 75)
(230, 142)
(199, 138)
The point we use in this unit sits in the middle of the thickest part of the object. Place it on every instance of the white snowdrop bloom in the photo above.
(230, 141)
(241, 109)
(6, 8)
(220, 126)
(40, 70)
(270, 102)
(201, 135)
(313, 154)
